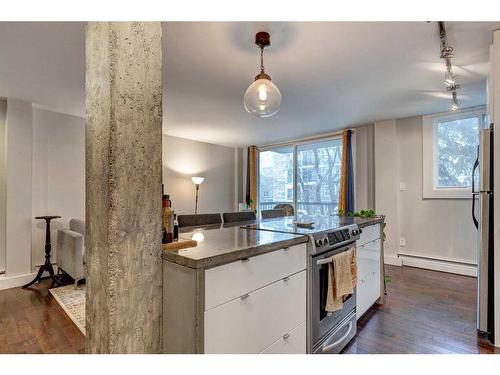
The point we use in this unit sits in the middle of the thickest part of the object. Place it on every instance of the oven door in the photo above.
(322, 321)
(336, 341)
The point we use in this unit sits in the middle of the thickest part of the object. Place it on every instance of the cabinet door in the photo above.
(368, 289)
(369, 234)
(254, 322)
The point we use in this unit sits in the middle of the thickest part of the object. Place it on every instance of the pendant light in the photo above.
(262, 98)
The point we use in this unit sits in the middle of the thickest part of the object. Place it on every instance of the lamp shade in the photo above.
(197, 180)
(262, 98)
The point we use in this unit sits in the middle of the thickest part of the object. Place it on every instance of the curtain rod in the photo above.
(305, 139)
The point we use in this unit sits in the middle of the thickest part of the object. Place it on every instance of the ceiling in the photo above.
(331, 75)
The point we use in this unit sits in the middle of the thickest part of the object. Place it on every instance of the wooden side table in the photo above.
(47, 266)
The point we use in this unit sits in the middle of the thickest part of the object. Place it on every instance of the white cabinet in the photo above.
(369, 249)
(232, 280)
(257, 305)
(253, 322)
(293, 342)
(368, 234)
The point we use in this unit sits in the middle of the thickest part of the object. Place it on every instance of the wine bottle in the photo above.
(164, 204)
(168, 219)
(176, 228)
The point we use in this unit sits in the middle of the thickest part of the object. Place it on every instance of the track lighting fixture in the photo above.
(450, 79)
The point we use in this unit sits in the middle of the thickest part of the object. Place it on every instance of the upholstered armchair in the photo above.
(71, 250)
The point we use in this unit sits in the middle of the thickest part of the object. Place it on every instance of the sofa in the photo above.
(71, 250)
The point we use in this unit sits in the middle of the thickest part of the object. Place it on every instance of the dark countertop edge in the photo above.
(361, 222)
(232, 256)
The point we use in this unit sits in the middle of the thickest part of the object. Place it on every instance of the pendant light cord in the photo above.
(262, 59)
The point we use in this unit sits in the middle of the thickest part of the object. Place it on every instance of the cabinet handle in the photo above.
(244, 260)
(245, 296)
(285, 279)
(285, 336)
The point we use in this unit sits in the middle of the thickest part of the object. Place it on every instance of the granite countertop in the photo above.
(361, 222)
(320, 223)
(224, 245)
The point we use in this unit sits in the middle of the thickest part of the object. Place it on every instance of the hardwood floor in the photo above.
(426, 312)
(31, 321)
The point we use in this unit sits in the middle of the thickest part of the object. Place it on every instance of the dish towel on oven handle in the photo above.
(342, 277)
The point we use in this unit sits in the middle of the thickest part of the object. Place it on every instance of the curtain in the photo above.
(251, 188)
(346, 199)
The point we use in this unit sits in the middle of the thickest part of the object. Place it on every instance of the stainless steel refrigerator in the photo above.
(482, 216)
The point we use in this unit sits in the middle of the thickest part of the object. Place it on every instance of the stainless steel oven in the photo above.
(329, 332)
(321, 320)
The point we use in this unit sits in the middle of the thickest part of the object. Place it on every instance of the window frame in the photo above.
(294, 146)
(430, 189)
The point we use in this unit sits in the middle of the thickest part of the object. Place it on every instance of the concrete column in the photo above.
(123, 187)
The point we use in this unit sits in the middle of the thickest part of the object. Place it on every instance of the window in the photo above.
(318, 177)
(309, 170)
(456, 145)
(450, 146)
(275, 177)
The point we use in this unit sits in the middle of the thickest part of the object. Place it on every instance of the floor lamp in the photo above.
(197, 181)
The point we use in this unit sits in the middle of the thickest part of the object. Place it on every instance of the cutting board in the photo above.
(181, 244)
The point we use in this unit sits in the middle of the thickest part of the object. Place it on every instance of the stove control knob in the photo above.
(325, 241)
(319, 243)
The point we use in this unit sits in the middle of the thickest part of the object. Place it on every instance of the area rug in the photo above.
(72, 302)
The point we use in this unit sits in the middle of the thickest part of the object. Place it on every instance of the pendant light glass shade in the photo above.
(262, 98)
(449, 78)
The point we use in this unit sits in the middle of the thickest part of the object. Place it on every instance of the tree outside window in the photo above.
(457, 143)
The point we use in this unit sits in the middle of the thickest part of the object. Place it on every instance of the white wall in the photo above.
(3, 185)
(45, 174)
(364, 164)
(439, 233)
(58, 175)
(183, 159)
(386, 184)
(445, 228)
(18, 171)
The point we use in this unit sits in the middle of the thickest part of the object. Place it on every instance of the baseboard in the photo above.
(439, 265)
(392, 260)
(7, 282)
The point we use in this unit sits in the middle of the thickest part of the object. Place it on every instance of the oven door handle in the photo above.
(328, 347)
(324, 261)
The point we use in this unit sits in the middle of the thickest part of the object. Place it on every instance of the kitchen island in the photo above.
(243, 289)
(217, 296)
